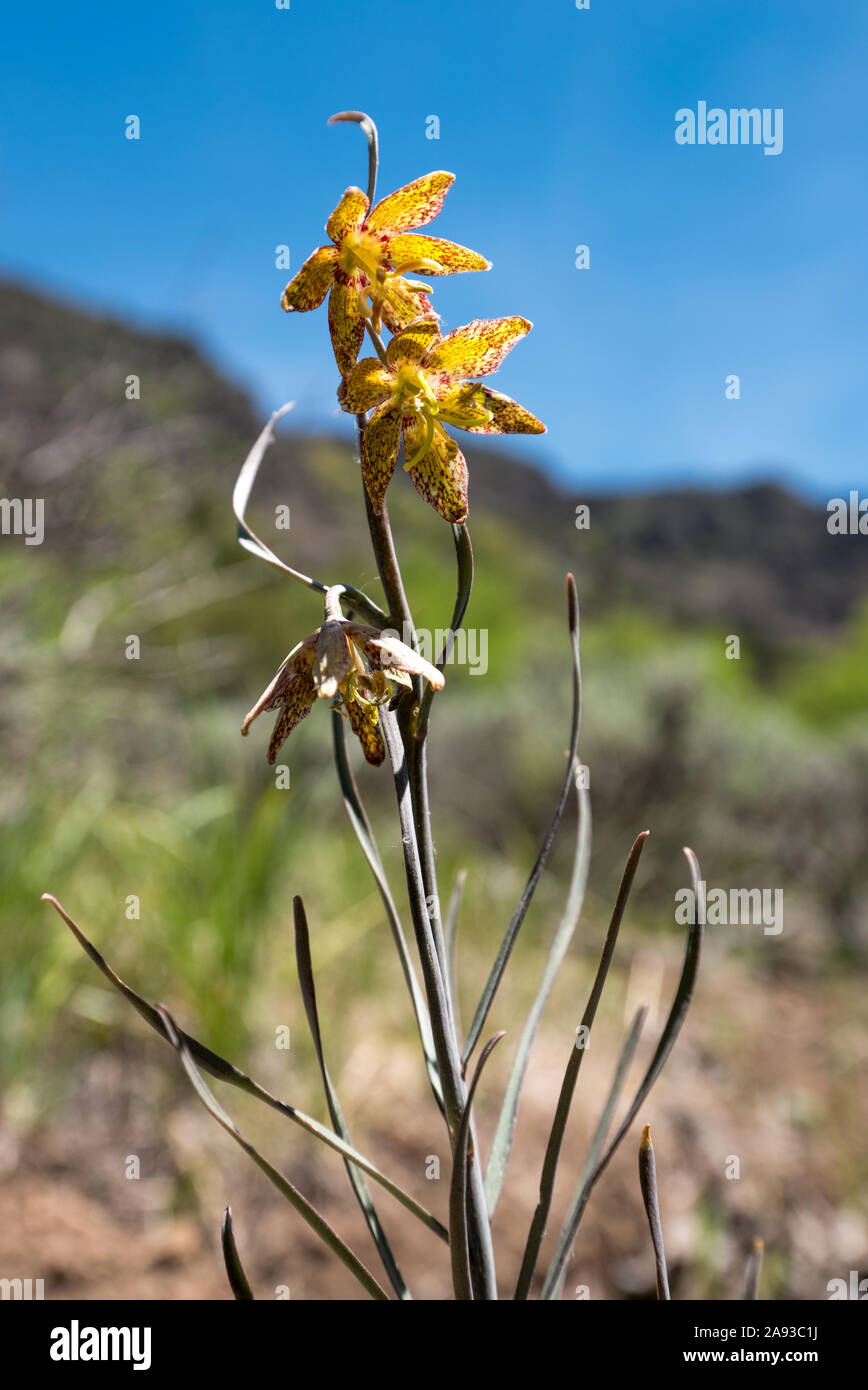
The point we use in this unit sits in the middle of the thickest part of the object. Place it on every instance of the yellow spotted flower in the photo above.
(358, 664)
(420, 388)
(366, 264)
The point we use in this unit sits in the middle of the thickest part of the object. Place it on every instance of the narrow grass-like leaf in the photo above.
(648, 1184)
(503, 954)
(502, 1142)
(451, 939)
(677, 1013)
(308, 1213)
(555, 1274)
(571, 1076)
(753, 1269)
(458, 1237)
(304, 966)
(365, 836)
(464, 557)
(449, 1062)
(218, 1067)
(238, 1281)
(248, 538)
(676, 1017)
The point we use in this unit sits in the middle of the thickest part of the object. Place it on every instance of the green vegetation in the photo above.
(127, 777)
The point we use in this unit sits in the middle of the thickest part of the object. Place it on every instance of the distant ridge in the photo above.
(757, 555)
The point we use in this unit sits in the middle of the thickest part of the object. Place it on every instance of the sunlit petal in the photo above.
(349, 214)
(368, 384)
(309, 287)
(507, 416)
(332, 661)
(440, 475)
(414, 205)
(475, 349)
(379, 451)
(403, 304)
(409, 346)
(440, 257)
(346, 324)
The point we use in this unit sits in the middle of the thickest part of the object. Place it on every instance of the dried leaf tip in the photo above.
(572, 603)
(645, 1143)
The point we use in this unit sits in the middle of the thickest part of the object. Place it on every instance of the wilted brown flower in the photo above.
(360, 665)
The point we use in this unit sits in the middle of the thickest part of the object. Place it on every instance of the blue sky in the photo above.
(559, 125)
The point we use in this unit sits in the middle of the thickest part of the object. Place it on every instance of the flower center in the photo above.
(361, 251)
(412, 395)
(365, 252)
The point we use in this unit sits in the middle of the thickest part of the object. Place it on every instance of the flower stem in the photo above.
(406, 744)
(370, 130)
(445, 1040)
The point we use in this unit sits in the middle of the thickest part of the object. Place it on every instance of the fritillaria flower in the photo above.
(359, 665)
(420, 388)
(365, 267)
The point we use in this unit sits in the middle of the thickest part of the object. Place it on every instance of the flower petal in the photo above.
(391, 673)
(407, 251)
(440, 475)
(298, 661)
(365, 725)
(414, 205)
(368, 384)
(476, 349)
(309, 287)
(348, 215)
(346, 324)
(507, 416)
(409, 346)
(389, 653)
(465, 405)
(379, 451)
(300, 701)
(403, 304)
(332, 661)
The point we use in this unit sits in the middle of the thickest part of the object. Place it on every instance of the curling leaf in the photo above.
(304, 966)
(309, 1213)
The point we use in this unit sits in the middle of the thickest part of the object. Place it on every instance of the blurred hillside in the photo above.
(128, 777)
(763, 758)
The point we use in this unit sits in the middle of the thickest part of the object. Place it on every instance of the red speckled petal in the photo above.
(370, 383)
(414, 205)
(346, 324)
(476, 349)
(365, 725)
(440, 476)
(348, 216)
(405, 252)
(309, 287)
(409, 346)
(402, 305)
(379, 451)
(507, 416)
